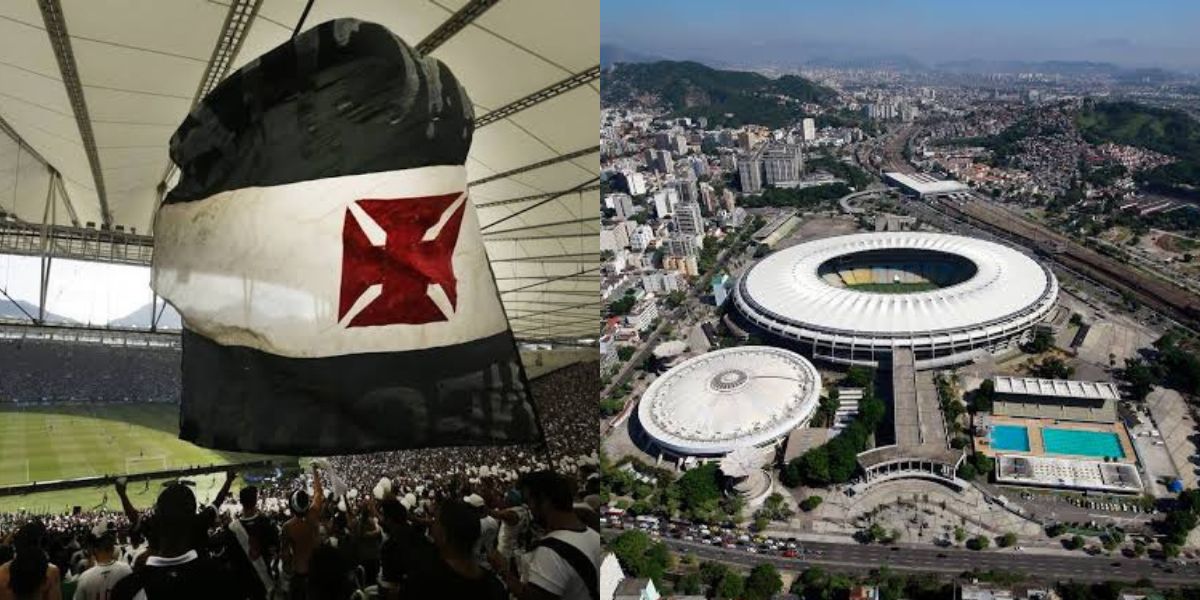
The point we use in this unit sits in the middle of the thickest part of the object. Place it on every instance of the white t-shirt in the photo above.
(550, 572)
(97, 582)
(489, 528)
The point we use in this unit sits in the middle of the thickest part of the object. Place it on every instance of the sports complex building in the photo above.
(729, 399)
(853, 299)
(1059, 433)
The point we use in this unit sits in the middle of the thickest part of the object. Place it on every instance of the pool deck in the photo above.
(1033, 426)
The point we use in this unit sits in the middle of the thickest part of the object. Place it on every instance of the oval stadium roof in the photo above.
(92, 91)
(787, 286)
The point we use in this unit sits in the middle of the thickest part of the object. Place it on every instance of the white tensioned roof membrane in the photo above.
(786, 284)
(139, 65)
(729, 399)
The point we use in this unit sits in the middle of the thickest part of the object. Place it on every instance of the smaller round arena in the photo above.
(734, 398)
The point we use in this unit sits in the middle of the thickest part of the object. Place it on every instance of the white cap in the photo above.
(474, 500)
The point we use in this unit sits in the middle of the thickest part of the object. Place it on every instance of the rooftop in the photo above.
(923, 183)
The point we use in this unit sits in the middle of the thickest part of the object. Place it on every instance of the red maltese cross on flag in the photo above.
(405, 246)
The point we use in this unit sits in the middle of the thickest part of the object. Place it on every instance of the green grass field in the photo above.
(894, 288)
(64, 442)
(67, 442)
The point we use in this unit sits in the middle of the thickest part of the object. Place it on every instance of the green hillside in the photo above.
(1170, 132)
(695, 90)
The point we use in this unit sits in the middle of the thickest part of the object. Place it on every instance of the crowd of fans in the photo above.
(34, 373)
(472, 522)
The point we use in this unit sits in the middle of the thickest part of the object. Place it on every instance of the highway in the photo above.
(863, 557)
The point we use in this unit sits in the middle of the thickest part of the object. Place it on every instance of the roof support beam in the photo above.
(551, 258)
(547, 200)
(548, 326)
(585, 234)
(551, 280)
(540, 277)
(597, 302)
(60, 40)
(594, 220)
(538, 165)
(495, 203)
(542, 95)
(584, 293)
(456, 23)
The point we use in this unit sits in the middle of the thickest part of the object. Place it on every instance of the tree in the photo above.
(1075, 542)
(1056, 530)
(731, 586)
(675, 298)
(698, 487)
(625, 352)
(689, 584)
(810, 503)
(960, 534)
(979, 542)
(763, 582)
(1042, 341)
(640, 556)
(1007, 540)
(1053, 367)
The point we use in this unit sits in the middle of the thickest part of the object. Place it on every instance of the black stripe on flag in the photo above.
(346, 97)
(465, 395)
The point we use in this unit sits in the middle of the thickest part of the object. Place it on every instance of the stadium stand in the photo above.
(46, 371)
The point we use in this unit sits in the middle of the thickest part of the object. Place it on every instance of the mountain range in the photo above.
(724, 97)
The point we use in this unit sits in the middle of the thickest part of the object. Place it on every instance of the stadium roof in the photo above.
(92, 92)
(787, 286)
(728, 399)
(1061, 388)
(922, 183)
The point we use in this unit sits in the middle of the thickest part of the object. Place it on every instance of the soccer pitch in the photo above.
(45, 443)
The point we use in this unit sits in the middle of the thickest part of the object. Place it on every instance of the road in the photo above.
(862, 557)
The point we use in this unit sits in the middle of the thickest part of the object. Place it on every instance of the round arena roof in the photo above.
(900, 284)
(729, 399)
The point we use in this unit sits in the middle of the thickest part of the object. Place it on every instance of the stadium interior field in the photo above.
(43, 443)
(65, 441)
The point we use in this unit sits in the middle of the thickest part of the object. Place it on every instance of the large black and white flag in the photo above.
(320, 245)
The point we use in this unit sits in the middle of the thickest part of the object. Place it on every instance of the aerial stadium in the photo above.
(852, 299)
(729, 399)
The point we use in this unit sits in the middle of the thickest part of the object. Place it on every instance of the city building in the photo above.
(608, 353)
(643, 313)
(622, 204)
(687, 265)
(661, 161)
(663, 282)
(728, 200)
(808, 129)
(749, 168)
(708, 198)
(608, 241)
(682, 244)
(633, 182)
(665, 201)
(922, 184)
(641, 238)
(688, 219)
(641, 588)
(782, 164)
(621, 232)
(1062, 399)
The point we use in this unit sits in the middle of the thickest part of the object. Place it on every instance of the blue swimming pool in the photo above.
(1079, 442)
(1010, 437)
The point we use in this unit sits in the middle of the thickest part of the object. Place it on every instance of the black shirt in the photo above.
(438, 580)
(185, 577)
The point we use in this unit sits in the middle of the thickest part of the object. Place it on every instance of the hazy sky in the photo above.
(1162, 33)
(87, 292)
